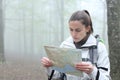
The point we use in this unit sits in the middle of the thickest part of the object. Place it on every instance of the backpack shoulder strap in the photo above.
(62, 76)
(93, 51)
(93, 54)
(51, 75)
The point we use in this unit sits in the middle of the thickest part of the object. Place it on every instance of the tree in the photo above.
(1, 34)
(114, 37)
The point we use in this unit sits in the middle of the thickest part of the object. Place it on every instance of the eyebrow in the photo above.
(75, 29)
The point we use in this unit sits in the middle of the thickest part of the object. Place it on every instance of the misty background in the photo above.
(29, 24)
(26, 26)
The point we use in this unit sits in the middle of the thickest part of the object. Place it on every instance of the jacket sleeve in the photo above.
(102, 69)
(56, 74)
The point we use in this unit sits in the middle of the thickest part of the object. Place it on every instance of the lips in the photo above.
(75, 38)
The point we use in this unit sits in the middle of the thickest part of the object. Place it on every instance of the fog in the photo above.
(29, 25)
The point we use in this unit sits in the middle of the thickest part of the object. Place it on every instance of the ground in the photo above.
(22, 71)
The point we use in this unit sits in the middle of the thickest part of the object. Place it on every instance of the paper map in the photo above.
(64, 59)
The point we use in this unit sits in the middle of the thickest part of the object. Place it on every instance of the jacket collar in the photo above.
(90, 42)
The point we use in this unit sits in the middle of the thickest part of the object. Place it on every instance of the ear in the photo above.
(88, 29)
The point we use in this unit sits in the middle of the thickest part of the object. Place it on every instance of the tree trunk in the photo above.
(114, 37)
(1, 35)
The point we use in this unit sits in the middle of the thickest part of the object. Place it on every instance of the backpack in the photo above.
(93, 52)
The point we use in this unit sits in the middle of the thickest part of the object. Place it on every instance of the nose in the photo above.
(73, 33)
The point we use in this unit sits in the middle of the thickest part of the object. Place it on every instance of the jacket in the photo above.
(101, 70)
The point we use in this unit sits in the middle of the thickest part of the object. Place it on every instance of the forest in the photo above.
(26, 26)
